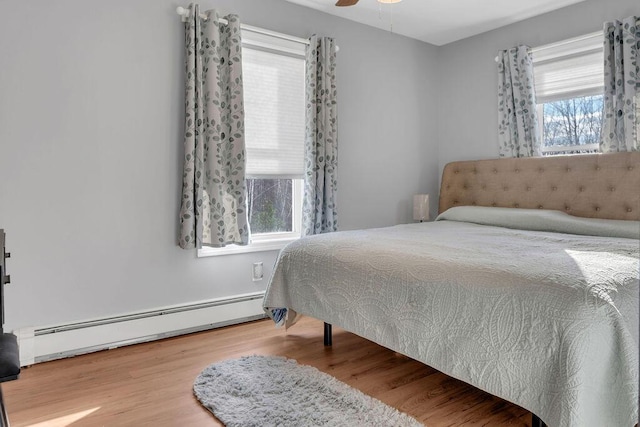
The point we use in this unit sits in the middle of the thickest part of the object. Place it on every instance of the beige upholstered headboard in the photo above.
(586, 185)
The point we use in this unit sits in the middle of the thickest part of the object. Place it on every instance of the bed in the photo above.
(526, 285)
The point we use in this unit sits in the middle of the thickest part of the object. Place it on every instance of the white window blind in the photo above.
(274, 110)
(569, 69)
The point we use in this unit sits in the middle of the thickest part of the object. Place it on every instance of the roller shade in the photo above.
(569, 69)
(274, 102)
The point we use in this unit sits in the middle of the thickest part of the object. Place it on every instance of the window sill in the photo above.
(260, 246)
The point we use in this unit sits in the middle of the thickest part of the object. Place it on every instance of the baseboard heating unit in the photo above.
(72, 339)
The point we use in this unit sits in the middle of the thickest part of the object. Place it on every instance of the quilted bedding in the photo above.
(547, 320)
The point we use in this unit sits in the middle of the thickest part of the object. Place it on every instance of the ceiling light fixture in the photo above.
(390, 2)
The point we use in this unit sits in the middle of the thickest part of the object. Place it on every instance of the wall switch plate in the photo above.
(258, 271)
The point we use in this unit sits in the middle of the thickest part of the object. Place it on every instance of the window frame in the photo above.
(557, 150)
(296, 219)
(257, 38)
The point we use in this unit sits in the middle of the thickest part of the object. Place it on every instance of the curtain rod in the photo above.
(184, 13)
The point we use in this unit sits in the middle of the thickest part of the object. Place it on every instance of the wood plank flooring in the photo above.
(150, 384)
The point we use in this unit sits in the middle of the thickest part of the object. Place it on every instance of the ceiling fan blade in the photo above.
(346, 2)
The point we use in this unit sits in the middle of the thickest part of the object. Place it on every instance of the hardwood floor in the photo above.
(150, 384)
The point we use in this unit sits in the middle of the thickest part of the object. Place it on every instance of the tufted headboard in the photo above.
(586, 185)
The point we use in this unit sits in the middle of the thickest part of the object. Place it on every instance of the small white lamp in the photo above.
(421, 207)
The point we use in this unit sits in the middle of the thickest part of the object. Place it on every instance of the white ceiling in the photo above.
(439, 21)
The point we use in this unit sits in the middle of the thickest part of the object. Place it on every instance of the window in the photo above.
(569, 81)
(274, 101)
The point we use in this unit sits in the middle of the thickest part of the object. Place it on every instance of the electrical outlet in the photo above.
(258, 271)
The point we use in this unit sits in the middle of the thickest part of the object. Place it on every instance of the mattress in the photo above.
(536, 307)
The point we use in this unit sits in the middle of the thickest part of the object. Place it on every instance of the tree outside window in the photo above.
(270, 205)
(572, 125)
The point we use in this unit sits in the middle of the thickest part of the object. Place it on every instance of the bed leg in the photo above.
(327, 334)
(536, 422)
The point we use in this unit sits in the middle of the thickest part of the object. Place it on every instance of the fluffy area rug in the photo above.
(276, 391)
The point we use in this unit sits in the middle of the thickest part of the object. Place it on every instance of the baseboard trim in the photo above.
(72, 339)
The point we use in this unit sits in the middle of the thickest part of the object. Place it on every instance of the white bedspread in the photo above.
(546, 320)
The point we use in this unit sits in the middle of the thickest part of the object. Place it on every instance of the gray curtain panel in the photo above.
(321, 138)
(213, 209)
(620, 124)
(518, 132)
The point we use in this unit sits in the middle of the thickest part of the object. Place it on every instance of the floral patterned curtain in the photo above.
(213, 209)
(321, 138)
(518, 132)
(620, 125)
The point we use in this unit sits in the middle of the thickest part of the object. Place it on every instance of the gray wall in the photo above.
(90, 148)
(467, 114)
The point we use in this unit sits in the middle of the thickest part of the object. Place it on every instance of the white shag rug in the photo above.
(276, 391)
